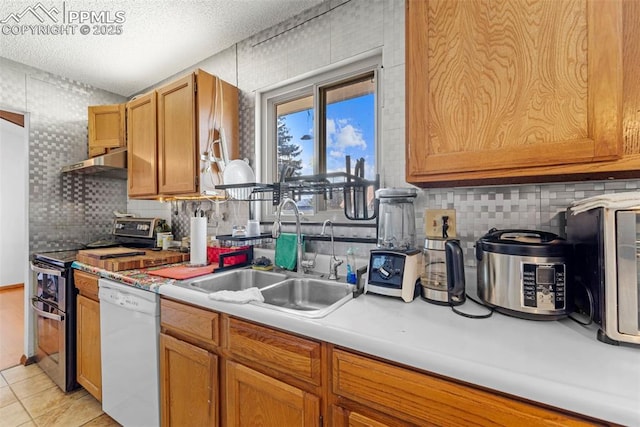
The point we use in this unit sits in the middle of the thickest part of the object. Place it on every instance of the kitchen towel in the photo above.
(287, 251)
(241, 297)
(198, 238)
(182, 272)
(626, 200)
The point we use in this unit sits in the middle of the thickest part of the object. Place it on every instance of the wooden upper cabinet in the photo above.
(177, 156)
(106, 128)
(508, 89)
(192, 115)
(142, 162)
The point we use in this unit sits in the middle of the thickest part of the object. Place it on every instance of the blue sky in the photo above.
(350, 130)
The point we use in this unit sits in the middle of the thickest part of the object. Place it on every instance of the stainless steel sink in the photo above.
(307, 297)
(235, 280)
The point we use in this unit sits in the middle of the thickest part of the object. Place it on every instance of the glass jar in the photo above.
(397, 218)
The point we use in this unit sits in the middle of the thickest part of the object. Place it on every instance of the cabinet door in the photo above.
(256, 399)
(142, 158)
(342, 417)
(88, 362)
(106, 126)
(189, 384)
(494, 88)
(177, 163)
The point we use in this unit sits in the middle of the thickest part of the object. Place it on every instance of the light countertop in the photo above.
(558, 363)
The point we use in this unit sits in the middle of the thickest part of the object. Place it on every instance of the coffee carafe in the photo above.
(442, 276)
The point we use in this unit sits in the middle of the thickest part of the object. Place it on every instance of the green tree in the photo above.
(288, 152)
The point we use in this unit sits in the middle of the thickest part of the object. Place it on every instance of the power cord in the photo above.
(473, 316)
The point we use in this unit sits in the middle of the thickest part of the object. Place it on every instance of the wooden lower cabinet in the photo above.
(342, 417)
(221, 370)
(88, 358)
(189, 384)
(255, 399)
(364, 384)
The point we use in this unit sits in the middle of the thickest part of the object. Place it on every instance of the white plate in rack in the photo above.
(238, 172)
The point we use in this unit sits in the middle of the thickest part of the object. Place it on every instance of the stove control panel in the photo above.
(135, 227)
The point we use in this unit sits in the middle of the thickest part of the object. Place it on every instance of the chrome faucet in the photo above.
(334, 262)
(275, 231)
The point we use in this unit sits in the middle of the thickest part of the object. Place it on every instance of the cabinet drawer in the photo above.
(190, 323)
(421, 398)
(86, 283)
(288, 354)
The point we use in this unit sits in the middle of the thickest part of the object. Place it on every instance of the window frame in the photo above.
(310, 84)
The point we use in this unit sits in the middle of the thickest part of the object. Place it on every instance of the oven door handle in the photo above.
(41, 268)
(42, 313)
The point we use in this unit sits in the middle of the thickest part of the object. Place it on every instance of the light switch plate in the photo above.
(433, 221)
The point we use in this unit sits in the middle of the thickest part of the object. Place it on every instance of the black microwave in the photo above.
(606, 273)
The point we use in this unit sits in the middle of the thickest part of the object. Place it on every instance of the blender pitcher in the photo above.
(396, 218)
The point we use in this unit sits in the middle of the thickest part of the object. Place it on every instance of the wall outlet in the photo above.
(434, 221)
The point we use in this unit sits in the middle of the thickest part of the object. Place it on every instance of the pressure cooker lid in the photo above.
(523, 243)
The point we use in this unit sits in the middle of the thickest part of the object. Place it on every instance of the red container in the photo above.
(214, 252)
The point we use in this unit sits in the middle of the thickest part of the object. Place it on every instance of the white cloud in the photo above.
(336, 153)
(331, 128)
(349, 136)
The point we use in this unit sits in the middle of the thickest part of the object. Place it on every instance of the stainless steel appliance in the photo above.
(442, 277)
(394, 273)
(133, 232)
(53, 307)
(523, 273)
(112, 165)
(607, 275)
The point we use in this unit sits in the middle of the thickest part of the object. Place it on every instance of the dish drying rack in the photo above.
(357, 192)
(329, 184)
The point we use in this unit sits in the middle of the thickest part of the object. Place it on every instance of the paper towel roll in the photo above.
(198, 239)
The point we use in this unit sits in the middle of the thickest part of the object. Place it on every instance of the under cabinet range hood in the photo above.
(112, 165)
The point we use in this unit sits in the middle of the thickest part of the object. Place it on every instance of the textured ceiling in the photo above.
(159, 38)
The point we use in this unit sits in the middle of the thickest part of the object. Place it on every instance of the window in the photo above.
(314, 126)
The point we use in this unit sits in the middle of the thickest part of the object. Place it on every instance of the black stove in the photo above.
(62, 259)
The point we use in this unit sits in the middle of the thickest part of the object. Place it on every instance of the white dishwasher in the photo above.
(129, 327)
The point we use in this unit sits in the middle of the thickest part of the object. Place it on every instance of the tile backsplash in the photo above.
(318, 38)
(67, 209)
(64, 210)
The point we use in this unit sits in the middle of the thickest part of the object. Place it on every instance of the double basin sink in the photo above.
(301, 295)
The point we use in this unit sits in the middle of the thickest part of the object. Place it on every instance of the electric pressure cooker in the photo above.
(523, 273)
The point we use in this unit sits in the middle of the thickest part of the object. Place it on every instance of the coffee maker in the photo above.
(442, 276)
(394, 265)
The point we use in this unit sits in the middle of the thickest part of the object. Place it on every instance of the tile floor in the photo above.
(28, 398)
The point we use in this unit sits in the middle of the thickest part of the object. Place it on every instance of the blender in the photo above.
(394, 265)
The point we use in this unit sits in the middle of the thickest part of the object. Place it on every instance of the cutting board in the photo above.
(181, 272)
(104, 253)
(148, 258)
